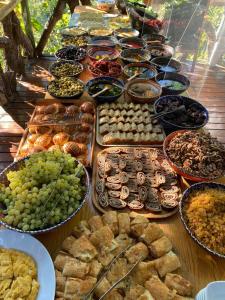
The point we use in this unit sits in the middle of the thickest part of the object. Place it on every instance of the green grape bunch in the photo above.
(44, 192)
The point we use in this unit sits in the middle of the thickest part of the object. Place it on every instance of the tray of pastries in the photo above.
(75, 135)
(128, 124)
(135, 179)
(129, 255)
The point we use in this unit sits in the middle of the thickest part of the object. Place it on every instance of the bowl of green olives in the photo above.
(66, 69)
(66, 87)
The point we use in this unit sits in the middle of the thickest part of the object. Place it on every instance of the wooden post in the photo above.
(27, 21)
(56, 16)
(72, 4)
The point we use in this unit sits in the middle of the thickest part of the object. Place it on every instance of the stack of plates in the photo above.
(213, 291)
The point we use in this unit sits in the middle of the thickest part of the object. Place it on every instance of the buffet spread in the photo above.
(151, 140)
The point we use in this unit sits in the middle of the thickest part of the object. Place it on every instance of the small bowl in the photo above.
(74, 96)
(185, 199)
(170, 126)
(73, 31)
(135, 55)
(147, 75)
(15, 166)
(166, 65)
(93, 69)
(110, 53)
(154, 39)
(177, 169)
(155, 88)
(105, 80)
(126, 33)
(161, 51)
(59, 63)
(100, 32)
(132, 43)
(73, 41)
(81, 57)
(103, 41)
(166, 78)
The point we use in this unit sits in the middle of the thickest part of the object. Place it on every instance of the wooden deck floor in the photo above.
(207, 86)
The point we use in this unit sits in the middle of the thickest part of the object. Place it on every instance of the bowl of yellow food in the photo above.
(202, 211)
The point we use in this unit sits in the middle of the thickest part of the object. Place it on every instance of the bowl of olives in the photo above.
(66, 69)
(66, 87)
(113, 88)
(71, 53)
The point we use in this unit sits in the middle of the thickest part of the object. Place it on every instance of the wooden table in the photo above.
(197, 264)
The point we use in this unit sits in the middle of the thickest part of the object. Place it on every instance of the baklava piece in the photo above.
(138, 224)
(180, 284)
(160, 247)
(103, 239)
(124, 223)
(78, 288)
(83, 249)
(95, 268)
(136, 252)
(134, 292)
(81, 229)
(61, 260)
(102, 288)
(167, 263)
(151, 233)
(143, 271)
(76, 269)
(95, 223)
(118, 270)
(110, 218)
(67, 243)
(158, 289)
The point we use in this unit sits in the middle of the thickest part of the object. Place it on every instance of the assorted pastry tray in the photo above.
(55, 126)
(116, 250)
(126, 124)
(137, 180)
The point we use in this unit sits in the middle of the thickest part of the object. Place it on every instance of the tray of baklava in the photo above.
(122, 123)
(137, 180)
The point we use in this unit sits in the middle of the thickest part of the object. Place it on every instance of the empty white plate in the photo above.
(31, 246)
(215, 290)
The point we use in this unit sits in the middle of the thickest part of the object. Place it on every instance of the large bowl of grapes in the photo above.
(42, 192)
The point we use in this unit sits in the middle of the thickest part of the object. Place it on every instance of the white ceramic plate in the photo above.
(31, 246)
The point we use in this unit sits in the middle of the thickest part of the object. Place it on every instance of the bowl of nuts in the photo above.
(66, 87)
(66, 69)
(71, 53)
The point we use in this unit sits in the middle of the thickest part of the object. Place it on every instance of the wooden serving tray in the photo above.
(99, 137)
(144, 212)
(79, 102)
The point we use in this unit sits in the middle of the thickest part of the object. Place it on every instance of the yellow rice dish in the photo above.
(18, 276)
(205, 214)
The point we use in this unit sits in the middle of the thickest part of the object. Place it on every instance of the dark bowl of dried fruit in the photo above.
(188, 114)
(172, 83)
(135, 55)
(160, 50)
(143, 91)
(66, 87)
(141, 70)
(195, 155)
(66, 69)
(105, 68)
(71, 53)
(113, 88)
(132, 43)
(103, 54)
(154, 39)
(166, 65)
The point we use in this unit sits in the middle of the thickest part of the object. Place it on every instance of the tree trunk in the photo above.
(85, 2)
(27, 21)
(56, 16)
(72, 4)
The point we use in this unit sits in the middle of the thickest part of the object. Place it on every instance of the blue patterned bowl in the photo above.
(186, 199)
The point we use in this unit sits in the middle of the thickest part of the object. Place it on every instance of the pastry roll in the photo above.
(158, 289)
(110, 218)
(105, 258)
(118, 270)
(61, 260)
(83, 249)
(134, 292)
(123, 241)
(136, 252)
(180, 284)
(95, 223)
(102, 288)
(95, 268)
(59, 295)
(151, 233)
(138, 225)
(81, 229)
(78, 287)
(124, 223)
(160, 247)
(103, 239)
(167, 263)
(143, 271)
(67, 243)
(60, 283)
(76, 268)
(146, 296)
(113, 295)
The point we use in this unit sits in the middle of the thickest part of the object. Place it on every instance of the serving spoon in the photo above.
(159, 115)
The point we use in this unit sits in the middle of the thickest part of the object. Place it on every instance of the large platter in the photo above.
(31, 246)
(144, 212)
(99, 136)
(88, 160)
